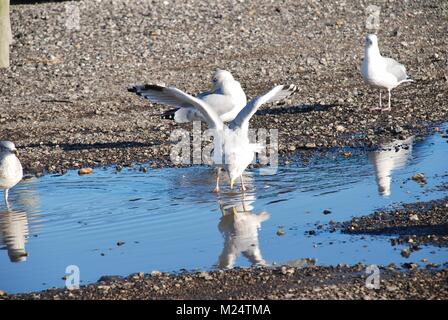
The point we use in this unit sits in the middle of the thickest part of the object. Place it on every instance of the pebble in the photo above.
(84, 171)
(419, 178)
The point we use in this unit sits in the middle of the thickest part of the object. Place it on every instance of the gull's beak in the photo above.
(232, 181)
(234, 211)
(16, 152)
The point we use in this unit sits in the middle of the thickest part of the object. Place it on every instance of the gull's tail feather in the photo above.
(406, 80)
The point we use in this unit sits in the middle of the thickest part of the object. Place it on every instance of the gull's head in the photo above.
(371, 40)
(384, 186)
(8, 147)
(220, 77)
(234, 168)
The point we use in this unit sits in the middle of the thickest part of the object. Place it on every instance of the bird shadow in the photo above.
(296, 109)
(14, 2)
(96, 146)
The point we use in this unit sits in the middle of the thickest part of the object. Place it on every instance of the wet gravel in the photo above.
(339, 282)
(414, 224)
(65, 104)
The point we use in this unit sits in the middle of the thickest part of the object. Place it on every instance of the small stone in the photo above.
(413, 217)
(280, 232)
(419, 178)
(105, 288)
(391, 288)
(156, 273)
(84, 171)
(2, 293)
(405, 253)
(410, 266)
(206, 276)
(310, 145)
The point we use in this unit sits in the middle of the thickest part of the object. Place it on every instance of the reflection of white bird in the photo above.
(226, 98)
(10, 168)
(239, 227)
(381, 72)
(232, 148)
(13, 234)
(391, 156)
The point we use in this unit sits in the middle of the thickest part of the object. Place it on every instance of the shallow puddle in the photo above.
(110, 223)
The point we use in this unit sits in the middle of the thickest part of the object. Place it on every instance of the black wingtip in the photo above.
(292, 88)
(139, 89)
(169, 115)
(154, 87)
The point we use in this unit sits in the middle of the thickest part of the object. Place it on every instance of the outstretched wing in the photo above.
(275, 94)
(219, 102)
(155, 93)
(176, 97)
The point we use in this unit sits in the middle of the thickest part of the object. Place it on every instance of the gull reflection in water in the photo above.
(390, 157)
(14, 233)
(14, 225)
(239, 227)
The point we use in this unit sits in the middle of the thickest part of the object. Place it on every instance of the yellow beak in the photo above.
(232, 181)
(16, 152)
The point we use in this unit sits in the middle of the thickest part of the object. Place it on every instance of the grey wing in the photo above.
(275, 94)
(172, 95)
(155, 93)
(396, 68)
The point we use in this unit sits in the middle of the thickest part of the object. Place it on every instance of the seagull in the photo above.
(14, 233)
(381, 72)
(232, 149)
(390, 157)
(10, 167)
(227, 98)
(239, 227)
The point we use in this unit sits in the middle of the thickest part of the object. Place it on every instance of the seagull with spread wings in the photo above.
(227, 98)
(379, 71)
(232, 148)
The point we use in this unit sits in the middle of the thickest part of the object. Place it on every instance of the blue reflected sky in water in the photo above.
(169, 219)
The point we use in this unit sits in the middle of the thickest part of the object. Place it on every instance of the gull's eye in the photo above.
(214, 80)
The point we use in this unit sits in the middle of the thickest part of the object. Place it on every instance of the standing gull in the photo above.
(227, 98)
(381, 72)
(232, 149)
(10, 168)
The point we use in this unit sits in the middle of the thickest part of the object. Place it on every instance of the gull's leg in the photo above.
(216, 190)
(6, 197)
(388, 108)
(242, 184)
(378, 108)
(381, 106)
